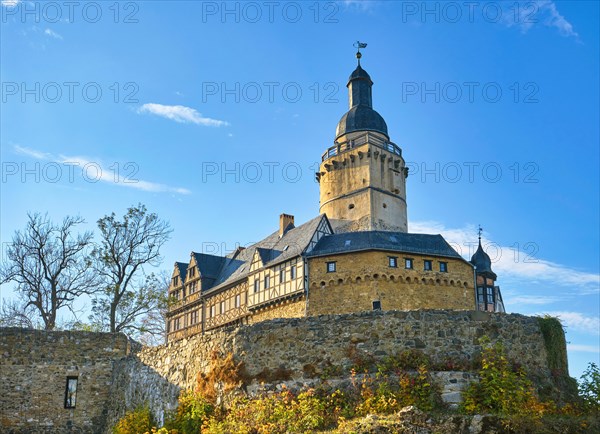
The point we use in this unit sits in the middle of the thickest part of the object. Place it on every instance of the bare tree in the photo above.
(155, 322)
(14, 314)
(47, 262)
(127, 246)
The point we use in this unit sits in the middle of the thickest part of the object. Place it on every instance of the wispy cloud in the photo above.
(512, 263)
(182, 114)
(363, 5)
(527, 14)
(583, 348)
(531, 299)
(53, 34)
(102, 173)
(577, 321)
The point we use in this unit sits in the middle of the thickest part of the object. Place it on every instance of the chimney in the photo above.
(286, 222)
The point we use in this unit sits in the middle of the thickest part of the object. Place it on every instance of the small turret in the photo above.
(489, 297)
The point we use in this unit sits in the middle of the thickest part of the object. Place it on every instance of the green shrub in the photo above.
(137, 421)
(405, 360)
(192, 412)
(501, 390)
(589, 388)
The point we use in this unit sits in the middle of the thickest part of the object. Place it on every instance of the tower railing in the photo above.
(341, 147)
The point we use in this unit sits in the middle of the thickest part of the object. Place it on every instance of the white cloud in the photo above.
(98, 172)
(53, 34)
(9, 3)
(512, 263)
(531, 299)
(360, 4)
(577, 321)
(182, 114)
(32, 153)
(583, 348)
(527, 14)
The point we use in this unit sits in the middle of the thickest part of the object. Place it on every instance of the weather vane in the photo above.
(358, 45)
(479, 231)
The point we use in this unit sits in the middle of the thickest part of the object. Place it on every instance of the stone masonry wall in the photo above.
(362, 277)
(34, 366)
(304, 347)
(116, 376)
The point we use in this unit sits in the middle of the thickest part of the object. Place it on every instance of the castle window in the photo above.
(213, 311)
(238, 300)
(444, 267)
(222, 307)
(376, 305)
(256, 285)
(193, 317)
(282, 275)
(176, 324)
(331, 267)
(393, 261)
(267, 282)
(71, 392)
(293, 272)
(176, 281)
(351, 206)
(408, 263)
(427, 265)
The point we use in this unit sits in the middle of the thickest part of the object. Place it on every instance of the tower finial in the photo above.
(479, 231)
(358, 45)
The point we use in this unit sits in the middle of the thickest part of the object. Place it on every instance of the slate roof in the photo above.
(209, 266)
(482, 262)
(182, 266)
(272, 250)
(361, 118)
(425, 244)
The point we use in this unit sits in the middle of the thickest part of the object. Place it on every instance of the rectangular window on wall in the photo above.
(267, 282)
(256, 285)
(444, 267)
(222, 307)
(480, 297)
(427, 266)
(238, 300)
(393, 261)
(331, 267)
(376, 305)
(408, 263)
(293, 272)
(71, 392)
(282, 275)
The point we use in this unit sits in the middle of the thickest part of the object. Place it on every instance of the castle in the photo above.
(357, 255)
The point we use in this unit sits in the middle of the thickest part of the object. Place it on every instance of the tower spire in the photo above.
(358, 45)
(479, 232)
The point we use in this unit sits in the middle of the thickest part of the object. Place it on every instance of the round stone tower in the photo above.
(362, 177)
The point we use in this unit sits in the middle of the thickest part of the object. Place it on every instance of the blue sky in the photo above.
(215, 116)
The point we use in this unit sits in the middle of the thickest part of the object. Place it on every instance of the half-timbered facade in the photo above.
(363, 258)
(265, 280)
